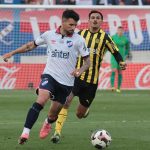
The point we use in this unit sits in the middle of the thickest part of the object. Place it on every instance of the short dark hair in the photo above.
(69, 13)
(95, 11)
(120, 27)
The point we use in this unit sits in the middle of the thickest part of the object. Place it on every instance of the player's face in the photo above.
(69, 25)
(120, 31)
(95, 20)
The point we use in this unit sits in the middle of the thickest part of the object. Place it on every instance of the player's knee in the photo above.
(79, 115)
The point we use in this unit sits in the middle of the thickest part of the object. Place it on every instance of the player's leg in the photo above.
(61, 119)
(59, 125)
(63, 114)
(33, 114)
(86, 96)
(114, 66)
(82, 111)
(59, 99)
(119, 80)
(113, 72)
(52, 117)
(112, 80)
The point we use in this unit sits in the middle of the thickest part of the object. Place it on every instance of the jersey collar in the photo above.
(58, 31)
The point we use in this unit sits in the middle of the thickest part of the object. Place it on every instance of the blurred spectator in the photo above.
(65, 2)
(12, 2)
(84, 2)
(146, 2)
(34, 2)
(113, 2)
(99, 2)
(131, 2)
(48, 2)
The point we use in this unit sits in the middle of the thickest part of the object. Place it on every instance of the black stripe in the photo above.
(88, 46)
(85, 34)
(94, 59)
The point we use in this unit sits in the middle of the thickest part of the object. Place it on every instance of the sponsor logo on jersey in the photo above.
(60, 54)
(69, 43)
(97, 40)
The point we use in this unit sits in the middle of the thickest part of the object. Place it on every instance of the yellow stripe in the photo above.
(86, 40)
(111, 45)
(91, 58)
(79, 62)
(98, 57)
(79, 59)
(110, 48)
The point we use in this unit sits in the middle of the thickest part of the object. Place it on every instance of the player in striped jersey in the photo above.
(85, 86)
(63, 48)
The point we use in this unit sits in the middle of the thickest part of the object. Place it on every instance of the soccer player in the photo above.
(63, 48)
(85, 85)
(123, 45)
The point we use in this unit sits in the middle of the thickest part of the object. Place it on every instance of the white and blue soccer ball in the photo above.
(100, 139)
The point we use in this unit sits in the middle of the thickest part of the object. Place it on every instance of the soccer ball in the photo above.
(100, 139)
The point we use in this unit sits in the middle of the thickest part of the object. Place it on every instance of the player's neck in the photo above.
(120, 35)
(62, 31)
(94, 30)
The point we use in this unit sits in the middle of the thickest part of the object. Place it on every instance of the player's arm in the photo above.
(84, 67)
(84, 53)
(24, 48)
(112, 47)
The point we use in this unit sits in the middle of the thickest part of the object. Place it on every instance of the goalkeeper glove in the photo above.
(122, 65)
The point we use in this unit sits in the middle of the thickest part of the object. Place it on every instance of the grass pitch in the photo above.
(125, 115)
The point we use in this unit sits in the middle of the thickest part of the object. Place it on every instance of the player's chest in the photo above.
(120, 41)
(59, 43)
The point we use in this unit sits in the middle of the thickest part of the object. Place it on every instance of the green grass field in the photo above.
(126, 116)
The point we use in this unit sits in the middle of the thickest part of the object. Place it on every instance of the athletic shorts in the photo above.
(58, 92)
(85, 91)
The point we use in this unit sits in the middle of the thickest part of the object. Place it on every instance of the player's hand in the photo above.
(76, 73)
(6, 56)
(122, 65)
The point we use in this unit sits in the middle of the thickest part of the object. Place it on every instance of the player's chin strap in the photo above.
(122, 65)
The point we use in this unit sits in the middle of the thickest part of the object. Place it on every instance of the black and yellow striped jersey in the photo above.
(97, 44)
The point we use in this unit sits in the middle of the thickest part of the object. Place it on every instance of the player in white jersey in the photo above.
(63, 48)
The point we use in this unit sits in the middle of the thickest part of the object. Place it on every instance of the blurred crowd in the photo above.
(77, 2)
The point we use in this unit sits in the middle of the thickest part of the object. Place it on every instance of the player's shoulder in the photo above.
(78, 36)
(48, 33)
(83, 31)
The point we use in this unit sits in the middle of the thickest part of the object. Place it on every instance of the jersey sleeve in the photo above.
(83, 50)
(112, 47)
(41, 39)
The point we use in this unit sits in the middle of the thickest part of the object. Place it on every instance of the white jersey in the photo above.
(62, 54)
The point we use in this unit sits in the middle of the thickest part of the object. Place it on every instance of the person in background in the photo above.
(123, 45)
(65, 2)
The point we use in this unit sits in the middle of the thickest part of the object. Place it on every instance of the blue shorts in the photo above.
(58, 92)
